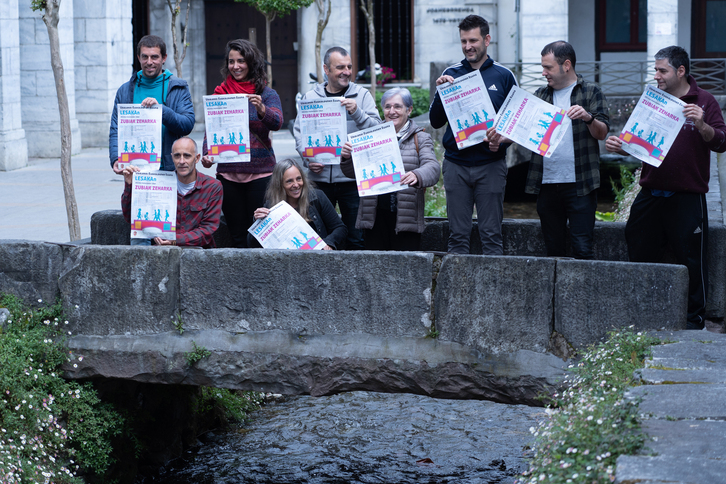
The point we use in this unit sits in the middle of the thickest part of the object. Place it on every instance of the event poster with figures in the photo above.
(531, 122)
(653, 126)
(323, 129)
(468, 107)
(153, 205)
(227, 120)
(377, 160)
(284, 228)
(139, 136)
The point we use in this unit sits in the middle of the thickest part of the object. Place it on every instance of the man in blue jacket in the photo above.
(474, 174)
(150, 86)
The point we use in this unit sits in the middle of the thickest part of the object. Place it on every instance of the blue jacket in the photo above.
(499, 81)
(177, 117)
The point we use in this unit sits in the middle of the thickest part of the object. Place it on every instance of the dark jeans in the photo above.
(680, 221)
(239, 204)
(345, 194)
(383, 235)
(556, 204)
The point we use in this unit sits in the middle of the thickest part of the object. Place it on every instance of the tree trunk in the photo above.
(322, 23)
(179, 56)
(368, 12)
(269, 17)
(51, 22)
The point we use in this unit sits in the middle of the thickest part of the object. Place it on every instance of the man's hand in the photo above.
(160, 241)
(149, 101)
(444, 79)
(346, 151)
(614, 145)
(207, 161)
(695, 114)
(116, 168)
(128, 173)
(316, 167)
(495, 139)
(578, 112)
(349, 104)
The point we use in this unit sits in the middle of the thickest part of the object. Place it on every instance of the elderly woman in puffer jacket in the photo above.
(395, 221)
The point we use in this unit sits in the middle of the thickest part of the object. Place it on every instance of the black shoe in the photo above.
(697, 326)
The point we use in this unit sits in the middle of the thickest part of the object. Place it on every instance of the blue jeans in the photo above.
(556, 204)
(345, 194)
(141, 242)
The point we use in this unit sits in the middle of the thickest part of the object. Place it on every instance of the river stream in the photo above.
(364, 437)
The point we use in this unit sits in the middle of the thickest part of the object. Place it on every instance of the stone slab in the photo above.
(686, 438)
(108, 227)
(653, 376)
(495, 304)
(716, 300)
(120, 290)
(307, 292)
(283, 362)
(683, 402)
(669, 470)
(691, 335)
(30, 270)
(695, 355)
(593, 297)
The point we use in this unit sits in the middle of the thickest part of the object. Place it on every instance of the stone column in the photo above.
(541, 22)
(104, 56)
(41, 119)
(13, 145)
(662, 26)
(195, 63)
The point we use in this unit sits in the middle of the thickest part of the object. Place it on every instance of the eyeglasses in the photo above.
(394, 107)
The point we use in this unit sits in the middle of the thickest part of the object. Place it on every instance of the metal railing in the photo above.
(626, 78)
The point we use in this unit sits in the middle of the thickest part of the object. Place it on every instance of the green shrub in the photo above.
(230, 405)
(50, 428)
(419, 96)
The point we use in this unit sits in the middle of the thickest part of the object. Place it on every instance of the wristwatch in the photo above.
(592, 118)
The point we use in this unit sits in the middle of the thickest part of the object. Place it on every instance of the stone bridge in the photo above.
(293, 322)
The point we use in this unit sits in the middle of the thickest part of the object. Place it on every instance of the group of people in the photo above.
(670, 209)
(245, 191)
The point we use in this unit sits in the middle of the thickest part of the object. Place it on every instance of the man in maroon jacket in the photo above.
(198, 198)
(671, 206)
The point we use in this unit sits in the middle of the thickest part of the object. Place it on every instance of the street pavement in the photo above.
(32, 206)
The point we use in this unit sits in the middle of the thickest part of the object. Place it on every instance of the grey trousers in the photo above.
(483, 185)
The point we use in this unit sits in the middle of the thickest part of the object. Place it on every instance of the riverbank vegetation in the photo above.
(590, 423)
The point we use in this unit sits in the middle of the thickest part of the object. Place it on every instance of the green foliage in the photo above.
(622, 186)
(277, 7)
(36, 5)
(230, 405)
(419, 96)
(435, 204)
(178, 323)
(605, 216)
(590, 424)
(197, 353)
(626, 193)
(50, 428)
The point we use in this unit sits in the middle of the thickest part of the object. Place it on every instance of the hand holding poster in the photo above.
(653, 126)
(323, 129)
(153, 205)
(284, 228)
(377, 160)
(139, 136)
(468, 108)
(531, 122)
(227, 120)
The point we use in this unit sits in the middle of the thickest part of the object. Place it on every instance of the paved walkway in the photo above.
(32, 205)
(684, 409)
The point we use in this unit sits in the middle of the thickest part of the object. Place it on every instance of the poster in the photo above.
(468, 107)
(377, 160)
(153, 205)
(284, 228)
(139, 136)
(531, 122)
(653, 126)
(323, 130)
(227, 122)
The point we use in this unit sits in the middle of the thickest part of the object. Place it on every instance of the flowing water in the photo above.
(365, 437)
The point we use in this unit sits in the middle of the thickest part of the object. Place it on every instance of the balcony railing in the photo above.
(626, 78)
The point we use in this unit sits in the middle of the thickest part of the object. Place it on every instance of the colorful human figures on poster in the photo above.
(327, 141)
(652, 136)
(156, 217)
(383, 169)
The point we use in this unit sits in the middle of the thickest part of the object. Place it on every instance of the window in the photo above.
(622, 25)
(709, 23)
(393, 20)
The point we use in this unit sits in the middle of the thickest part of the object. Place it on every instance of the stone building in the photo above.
(98, 37)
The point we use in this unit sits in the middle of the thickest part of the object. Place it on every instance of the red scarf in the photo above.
(232, 86)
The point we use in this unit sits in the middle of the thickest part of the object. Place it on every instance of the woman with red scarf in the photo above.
(244, 184)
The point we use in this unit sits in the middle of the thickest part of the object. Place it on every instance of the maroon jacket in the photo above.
(686, 167)
(197, 212)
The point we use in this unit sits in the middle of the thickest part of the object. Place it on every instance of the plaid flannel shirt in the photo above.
(587, 151)
(197, 213)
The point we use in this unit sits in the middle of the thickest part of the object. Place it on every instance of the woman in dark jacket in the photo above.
(395, 221)
(244, 184)
(290, 183)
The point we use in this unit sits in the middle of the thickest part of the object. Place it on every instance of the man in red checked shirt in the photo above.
(198, 199)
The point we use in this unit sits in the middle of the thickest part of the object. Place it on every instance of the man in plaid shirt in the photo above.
(198, 202)
(566, 182)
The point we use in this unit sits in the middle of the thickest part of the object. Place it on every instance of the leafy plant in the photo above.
(386, 75)
(419, 96)
(435, 201)
(178, 323)
(50, 428)
(590, 423)
(197, 353)
(230, 405)
(625, 195)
